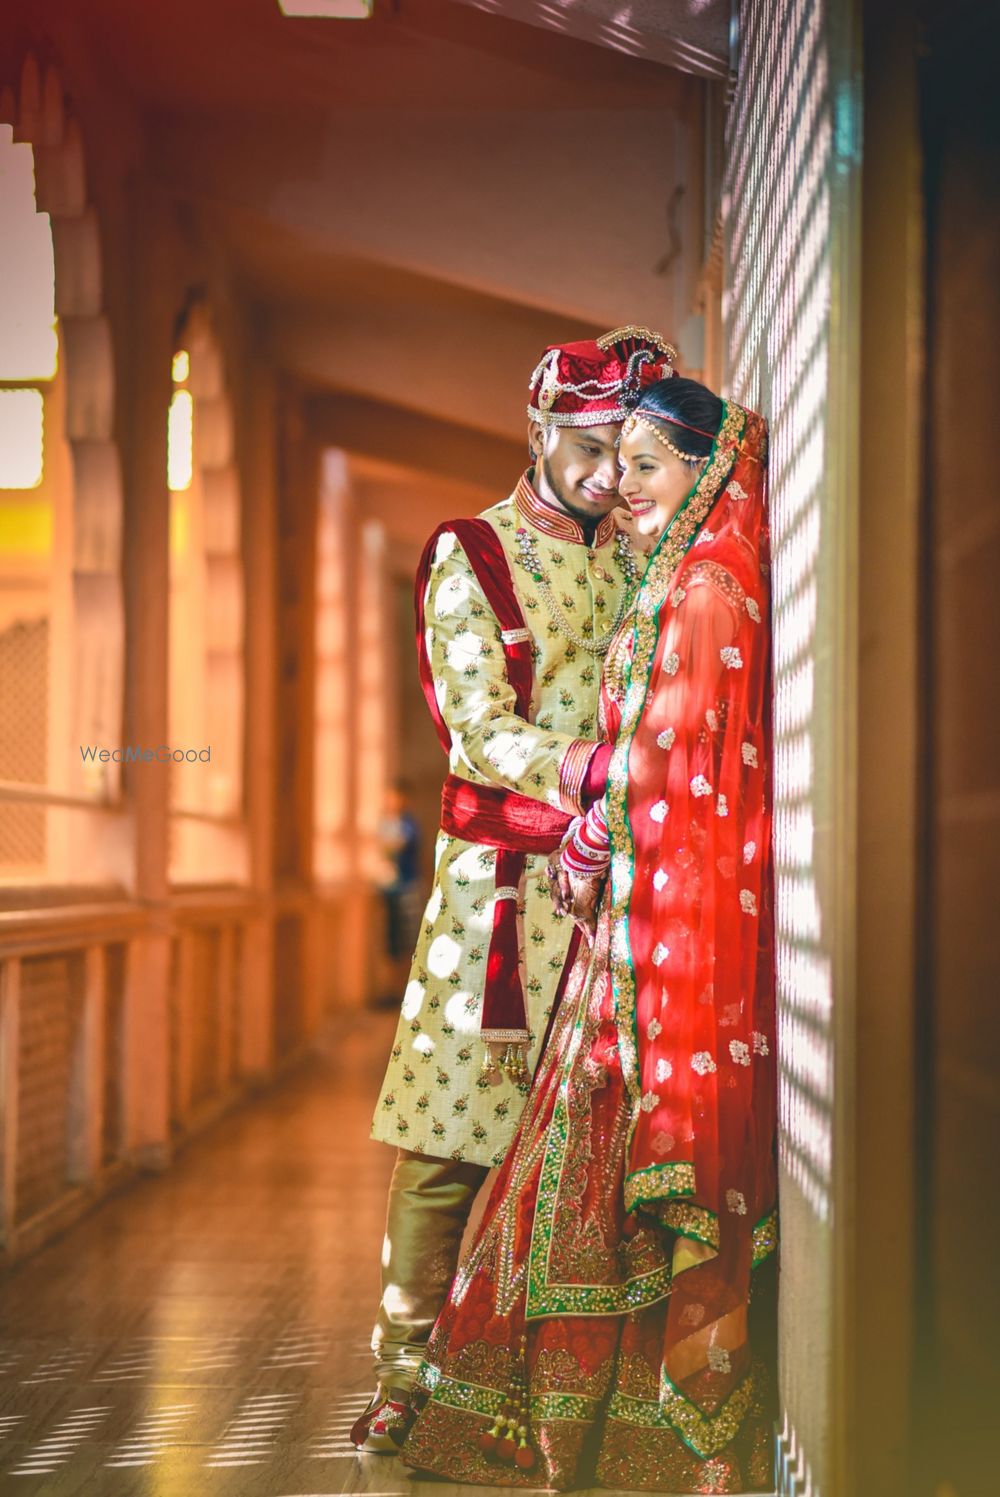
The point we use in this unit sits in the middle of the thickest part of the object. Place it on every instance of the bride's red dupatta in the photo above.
(689, 813)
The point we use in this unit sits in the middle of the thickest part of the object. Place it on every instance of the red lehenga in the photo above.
(605, 1306)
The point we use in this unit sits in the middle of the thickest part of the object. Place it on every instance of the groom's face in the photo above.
(577, 467)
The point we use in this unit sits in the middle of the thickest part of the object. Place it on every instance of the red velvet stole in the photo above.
(512, 823)
(500, 818)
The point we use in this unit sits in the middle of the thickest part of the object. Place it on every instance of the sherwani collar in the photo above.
(556, 522)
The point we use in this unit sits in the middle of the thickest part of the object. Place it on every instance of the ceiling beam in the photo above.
(426, 444)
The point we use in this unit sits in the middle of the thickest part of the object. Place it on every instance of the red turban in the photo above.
(599, 379)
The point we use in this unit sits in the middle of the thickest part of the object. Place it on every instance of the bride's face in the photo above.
(654, 484)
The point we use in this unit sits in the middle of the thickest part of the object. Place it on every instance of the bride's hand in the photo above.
(575, 896)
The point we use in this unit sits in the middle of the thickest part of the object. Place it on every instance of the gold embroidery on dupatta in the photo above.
(719, 577)
(659, 1182)
(765, 1237)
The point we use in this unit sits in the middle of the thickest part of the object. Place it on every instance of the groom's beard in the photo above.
(579, 507)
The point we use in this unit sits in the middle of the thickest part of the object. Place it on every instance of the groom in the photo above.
(516, 611)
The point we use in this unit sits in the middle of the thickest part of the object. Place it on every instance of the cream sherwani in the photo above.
(433, 1101)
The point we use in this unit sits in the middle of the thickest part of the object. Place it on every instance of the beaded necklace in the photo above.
(616, 665)
(530, 560)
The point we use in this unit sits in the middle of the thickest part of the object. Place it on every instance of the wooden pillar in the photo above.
(295, 726)
(256, 1033)
(86, 1100)
(312, 975)
(144, 399)
(10, 1052)
(145, 1082)
(183, 999)
(226, 1007)
(255, 1056)
(295, 583)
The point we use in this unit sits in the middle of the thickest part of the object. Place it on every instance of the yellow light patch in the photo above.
(25, 529)
(181, 366)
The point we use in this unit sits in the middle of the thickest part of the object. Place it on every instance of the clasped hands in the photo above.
(574, 894)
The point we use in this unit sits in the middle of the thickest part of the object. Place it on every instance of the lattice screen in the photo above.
(24, 693)
(781, 272)
(51, 1008)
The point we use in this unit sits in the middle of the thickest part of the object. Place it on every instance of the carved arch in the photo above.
(86, 629)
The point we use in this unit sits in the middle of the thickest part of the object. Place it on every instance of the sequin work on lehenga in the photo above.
(588, 1263)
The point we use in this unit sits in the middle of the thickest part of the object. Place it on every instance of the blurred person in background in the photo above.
(399, 836)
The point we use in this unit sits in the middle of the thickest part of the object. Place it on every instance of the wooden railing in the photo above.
(124, 1028)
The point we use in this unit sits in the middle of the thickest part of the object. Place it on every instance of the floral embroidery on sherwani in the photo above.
(433, 1100)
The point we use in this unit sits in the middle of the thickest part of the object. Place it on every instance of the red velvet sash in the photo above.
(514, 824)
(500, 818)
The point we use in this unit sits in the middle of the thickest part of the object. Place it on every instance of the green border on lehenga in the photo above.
(703, 1434)
(473, 1398)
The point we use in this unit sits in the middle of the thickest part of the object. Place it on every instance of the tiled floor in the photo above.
(205, 1334)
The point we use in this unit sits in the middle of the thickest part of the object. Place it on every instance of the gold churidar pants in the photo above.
(429, 1205)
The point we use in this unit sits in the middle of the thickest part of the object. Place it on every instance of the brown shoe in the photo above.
(386, 1421)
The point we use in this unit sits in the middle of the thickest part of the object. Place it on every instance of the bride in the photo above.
(612, 1321)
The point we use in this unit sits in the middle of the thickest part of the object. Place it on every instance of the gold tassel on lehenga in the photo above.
(507, 1441)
